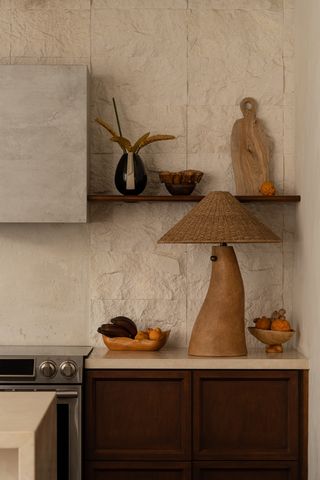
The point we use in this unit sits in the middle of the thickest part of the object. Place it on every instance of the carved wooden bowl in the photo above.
(272, 338)
(180, 183)
(131, 345)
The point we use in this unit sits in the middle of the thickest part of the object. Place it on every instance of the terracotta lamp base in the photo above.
(219, 328)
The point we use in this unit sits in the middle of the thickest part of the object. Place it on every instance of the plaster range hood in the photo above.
(43, 143)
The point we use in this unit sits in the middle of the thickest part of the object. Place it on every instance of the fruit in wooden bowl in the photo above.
(119, 327)
(264, 323)
(122, 334)
(273, 331)
(132, 345)
(272, 338)
(141, 335)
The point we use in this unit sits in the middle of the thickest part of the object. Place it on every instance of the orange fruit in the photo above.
(141, 336)
(267, 188)
(281, 325)
(155, 333)
(264, 323)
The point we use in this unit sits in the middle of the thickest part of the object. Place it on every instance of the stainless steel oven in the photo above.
(58, 372)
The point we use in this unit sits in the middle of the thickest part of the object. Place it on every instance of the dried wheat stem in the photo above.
(117, 117)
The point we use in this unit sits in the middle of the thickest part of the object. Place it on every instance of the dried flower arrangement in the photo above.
(126, 145)
(130, 175)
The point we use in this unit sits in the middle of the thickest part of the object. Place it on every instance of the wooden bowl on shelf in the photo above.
(180, 189)
(131, 345)
(180, 183)
(272, 338)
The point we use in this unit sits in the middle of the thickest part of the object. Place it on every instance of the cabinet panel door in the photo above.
(246, 415)
(245, 471)
(137, 471)
(43, 143)
(138, 415)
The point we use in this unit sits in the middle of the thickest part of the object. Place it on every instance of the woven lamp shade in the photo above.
(219, 218)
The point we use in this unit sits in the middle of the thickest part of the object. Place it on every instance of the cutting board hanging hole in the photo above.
(249, 106)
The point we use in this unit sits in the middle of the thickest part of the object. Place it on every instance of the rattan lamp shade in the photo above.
(219, 218)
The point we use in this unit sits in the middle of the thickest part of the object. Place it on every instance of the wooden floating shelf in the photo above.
(102, 197)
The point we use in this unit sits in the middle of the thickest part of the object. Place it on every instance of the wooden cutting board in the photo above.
(249, 150)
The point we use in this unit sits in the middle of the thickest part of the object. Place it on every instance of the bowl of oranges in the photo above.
(273, 331)
(151, 339)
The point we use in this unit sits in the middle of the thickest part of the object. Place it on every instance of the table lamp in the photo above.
(219, 218)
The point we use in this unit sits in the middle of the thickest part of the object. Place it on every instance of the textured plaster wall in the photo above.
(307, 276)
(174, 66)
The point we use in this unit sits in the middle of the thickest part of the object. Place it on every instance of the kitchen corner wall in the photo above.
(306, 274)
(174, 66)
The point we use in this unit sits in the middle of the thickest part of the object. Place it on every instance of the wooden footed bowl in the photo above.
(272, 338)
(131, 345)
(180, 183)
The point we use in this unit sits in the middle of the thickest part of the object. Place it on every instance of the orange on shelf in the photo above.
(268, 189)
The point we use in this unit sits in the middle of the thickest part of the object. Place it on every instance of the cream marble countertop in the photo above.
(102, 358)
(28, 435)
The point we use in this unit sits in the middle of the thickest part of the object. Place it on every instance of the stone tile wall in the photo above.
(174, 66)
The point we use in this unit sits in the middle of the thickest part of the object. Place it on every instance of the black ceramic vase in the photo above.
(130, 177)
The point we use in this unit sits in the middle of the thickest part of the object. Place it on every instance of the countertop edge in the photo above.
(179, 360)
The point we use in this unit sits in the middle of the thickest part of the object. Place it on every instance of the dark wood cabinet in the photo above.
(199, 425)
(245, 471)
(138, 415)
(246, 415)
(138, 471)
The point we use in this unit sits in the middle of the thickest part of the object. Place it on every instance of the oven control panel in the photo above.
(42, 364)
(59, 370)
(49, 369)
(41, 369)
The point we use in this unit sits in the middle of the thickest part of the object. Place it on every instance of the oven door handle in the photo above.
(59, 393)
(66, 394)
